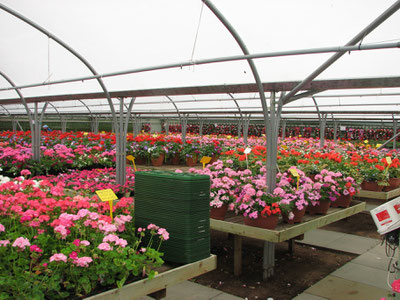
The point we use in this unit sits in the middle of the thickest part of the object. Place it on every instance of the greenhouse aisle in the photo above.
(362, 278)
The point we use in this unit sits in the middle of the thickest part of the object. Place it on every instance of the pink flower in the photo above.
(152, 226)
(85, 243)
(58, 257)
(105, 247)
(83, 261)
(4, 243)
(35, 248)
(25, 172)
(21, 243)
(73, 255)
(121, 242)
(396, 286)
(110, 238)
(2, 228)
(76, 242)
(164, 233)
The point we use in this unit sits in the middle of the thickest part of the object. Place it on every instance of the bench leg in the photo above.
(237, 255)
(268, 260)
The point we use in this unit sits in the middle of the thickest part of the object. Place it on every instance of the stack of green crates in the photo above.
(178, 202)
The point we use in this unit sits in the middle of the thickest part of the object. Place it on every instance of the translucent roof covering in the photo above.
(114, 36)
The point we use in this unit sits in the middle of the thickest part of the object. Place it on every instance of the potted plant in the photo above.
(375, 177)
(190, 153)
(327, 186)
(259, 209)
(347, 186)
(394, 175)
(157, 153)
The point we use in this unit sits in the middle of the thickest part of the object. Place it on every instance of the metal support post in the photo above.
(240, 122)
(269, 260)
(166, 127)
(246, 128)
(283, 129)
(322, 127)
(201, 127)
(335, 128)
(184, 127)
(63, 124)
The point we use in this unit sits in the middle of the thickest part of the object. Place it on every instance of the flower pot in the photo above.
(175, 160)
(394, 183)
(371, 186)
(214, 158)
(219, 213)
(140, 160)
(269, 222)
(191, 161)
(158, 161)
(321, 209)
(298, 216)
(342, 201)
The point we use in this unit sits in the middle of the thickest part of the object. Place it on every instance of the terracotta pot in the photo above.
(158, 161)
(342, 201)
(298, 216)
(394, 183)
(371, 186)
(321, 209)
(218, 213)
(176, 159)
(140, 160)
(191, 161)
(268, 222)
(214, 158)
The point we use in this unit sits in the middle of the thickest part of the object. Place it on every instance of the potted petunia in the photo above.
(259, 209)
(157, 153)
(347, 187)
(190, 153)
(295, 194)
(326, 184)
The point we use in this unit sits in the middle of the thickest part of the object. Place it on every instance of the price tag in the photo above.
(389, 160)
(107, 195)
(294, 172)
(247, 150)
(205, 160)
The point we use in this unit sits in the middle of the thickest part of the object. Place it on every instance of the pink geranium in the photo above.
(58, 257)
(21, 243)
(83, 261)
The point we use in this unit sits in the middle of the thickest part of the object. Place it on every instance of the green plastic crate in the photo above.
(178, 202)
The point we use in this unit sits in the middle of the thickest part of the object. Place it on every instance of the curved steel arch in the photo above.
(87, 107)
(237, 104)
(67, 47)
(5, 109)
(176, 107)
(28, 111)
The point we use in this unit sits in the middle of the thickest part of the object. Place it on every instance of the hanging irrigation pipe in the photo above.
(216, 60)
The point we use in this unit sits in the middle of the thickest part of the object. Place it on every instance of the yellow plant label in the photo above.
(205, 159)
(378, 145)
(294, 172)
(130, 157)
(85, 133)
(106, 195)
(284, 147)
(228, 136)
(366, 141)
(389, 160)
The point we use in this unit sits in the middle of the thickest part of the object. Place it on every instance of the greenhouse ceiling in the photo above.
(177, 57)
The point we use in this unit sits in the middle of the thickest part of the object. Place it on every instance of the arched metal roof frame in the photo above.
(65, 46)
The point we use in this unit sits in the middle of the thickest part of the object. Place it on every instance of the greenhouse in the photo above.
(202, 149)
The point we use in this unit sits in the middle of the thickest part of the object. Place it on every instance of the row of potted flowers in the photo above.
(58, 246)
(245, 193)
